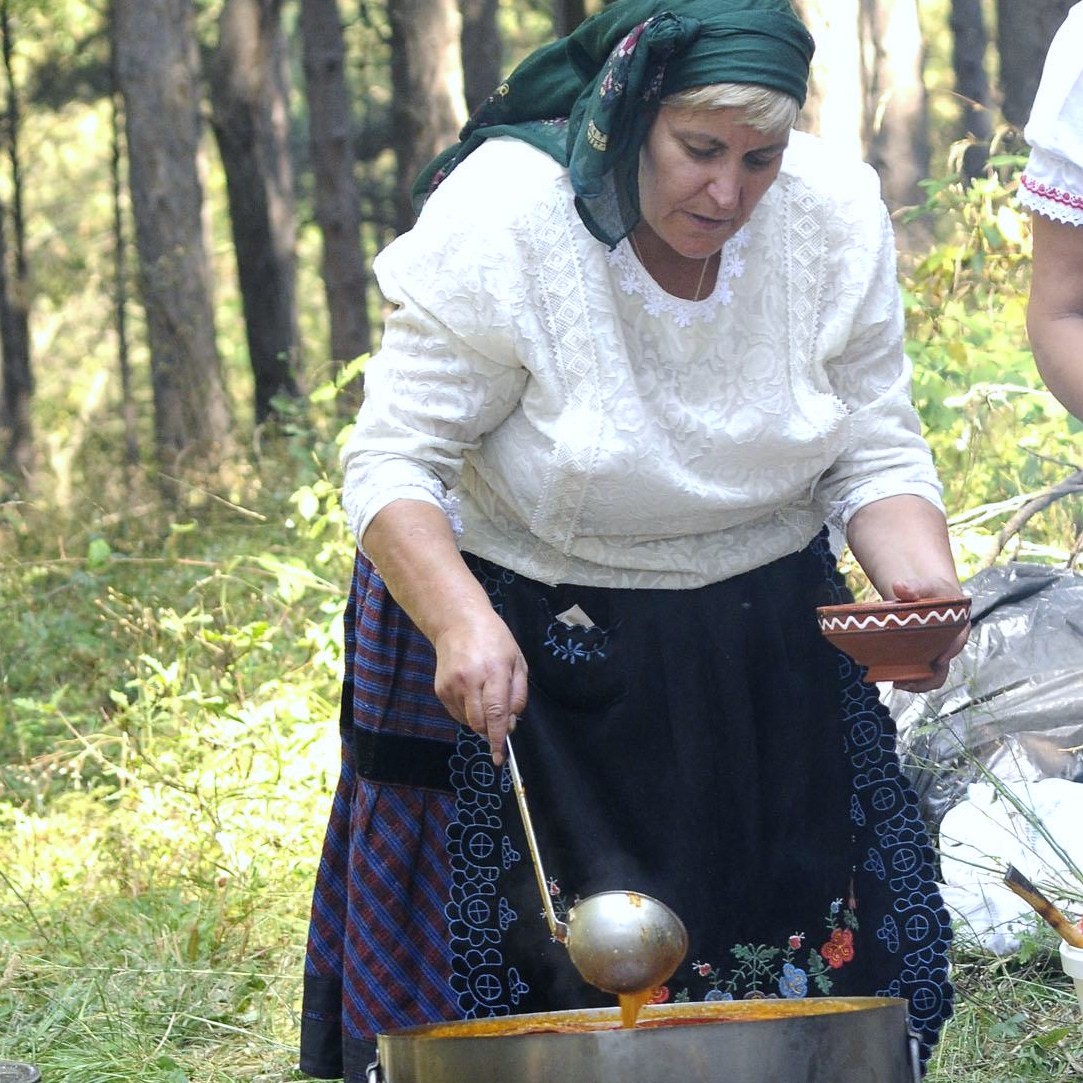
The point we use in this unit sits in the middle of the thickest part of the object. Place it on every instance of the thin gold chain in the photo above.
(639, 256)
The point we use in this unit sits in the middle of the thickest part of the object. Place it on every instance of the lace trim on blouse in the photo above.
(636, 279)
(1052, 182)
(1054, 202)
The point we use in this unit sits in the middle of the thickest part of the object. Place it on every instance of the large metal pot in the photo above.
(819, 1040)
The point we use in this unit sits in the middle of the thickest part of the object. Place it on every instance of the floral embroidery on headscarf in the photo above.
(607, 77)
(616, 72)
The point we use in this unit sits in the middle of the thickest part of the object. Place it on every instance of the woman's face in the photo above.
(701, 174)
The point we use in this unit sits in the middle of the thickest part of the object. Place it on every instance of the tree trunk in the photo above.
(338, 199)
(567, 15)
(16, 461)
(120, 255)
(834, 108)
(969, 42)
(482, 50)
(1024, 31)
(897, 134)
(18, 380)
(250, 114)
(157, 64)
(428, 108)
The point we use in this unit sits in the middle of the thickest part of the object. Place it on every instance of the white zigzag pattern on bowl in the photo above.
(883, 621)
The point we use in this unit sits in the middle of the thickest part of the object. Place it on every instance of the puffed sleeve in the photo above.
(1052, 181)
(450, 366)
(886, 454)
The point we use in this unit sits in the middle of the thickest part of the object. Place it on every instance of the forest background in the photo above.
(190, 198)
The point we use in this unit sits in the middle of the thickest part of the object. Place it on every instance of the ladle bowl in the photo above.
(620, 941)
(625, 942)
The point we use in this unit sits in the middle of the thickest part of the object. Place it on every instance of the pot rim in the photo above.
(595, 1021)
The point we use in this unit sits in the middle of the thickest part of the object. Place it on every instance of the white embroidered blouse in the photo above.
(589, 428)
(1052, 181)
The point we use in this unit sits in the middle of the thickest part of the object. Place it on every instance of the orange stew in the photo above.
(650, 1016)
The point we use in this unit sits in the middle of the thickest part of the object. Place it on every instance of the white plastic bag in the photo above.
(1035, 826)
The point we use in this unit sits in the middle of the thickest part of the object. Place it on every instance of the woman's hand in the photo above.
(481, 677)
(912, 590)
(902, 544)
(480, 671)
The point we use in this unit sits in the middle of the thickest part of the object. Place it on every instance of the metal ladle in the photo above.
(620, 941)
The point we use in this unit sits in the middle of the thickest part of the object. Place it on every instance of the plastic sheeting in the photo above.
(980, 749)
(1036, 827)
(1013, 702)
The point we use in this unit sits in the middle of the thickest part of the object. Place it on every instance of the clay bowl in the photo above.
(897, 641)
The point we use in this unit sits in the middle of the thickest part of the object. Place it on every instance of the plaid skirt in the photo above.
(706, 746)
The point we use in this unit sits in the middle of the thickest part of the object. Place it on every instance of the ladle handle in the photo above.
(556, 927)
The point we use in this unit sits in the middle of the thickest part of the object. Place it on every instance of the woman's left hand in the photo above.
(902, 544)
(912, 590)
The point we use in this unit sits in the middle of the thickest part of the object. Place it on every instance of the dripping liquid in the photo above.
(630, 1003)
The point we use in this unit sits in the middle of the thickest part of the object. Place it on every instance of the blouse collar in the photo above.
(635, 279)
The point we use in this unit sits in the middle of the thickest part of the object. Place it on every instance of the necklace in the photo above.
(643, 262)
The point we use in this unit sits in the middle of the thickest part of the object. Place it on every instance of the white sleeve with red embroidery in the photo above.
(1052, 182)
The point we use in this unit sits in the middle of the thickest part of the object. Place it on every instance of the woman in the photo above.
(647, 339)
(1052, 187)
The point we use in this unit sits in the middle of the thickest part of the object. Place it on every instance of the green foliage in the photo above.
(997, 435)
(169, 668)
(168, 694)
(1016, 1020)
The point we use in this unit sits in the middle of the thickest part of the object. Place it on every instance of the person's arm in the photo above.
(452, 368)
(481, 676)
(901, 543)
(1055, 309)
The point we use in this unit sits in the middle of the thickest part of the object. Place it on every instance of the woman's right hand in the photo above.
(480, 671)
(481, 676)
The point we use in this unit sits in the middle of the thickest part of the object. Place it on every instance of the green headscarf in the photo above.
(588, 99)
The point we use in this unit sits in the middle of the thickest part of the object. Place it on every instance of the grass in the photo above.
(168, 696)
(1015, 1021)
(168, 693)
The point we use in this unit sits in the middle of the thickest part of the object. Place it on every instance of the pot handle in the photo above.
(373, 1074)
(915, 1053)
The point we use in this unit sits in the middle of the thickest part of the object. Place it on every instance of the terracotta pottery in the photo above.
(897, 641)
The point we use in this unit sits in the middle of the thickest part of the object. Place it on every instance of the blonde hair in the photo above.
(765, 109)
